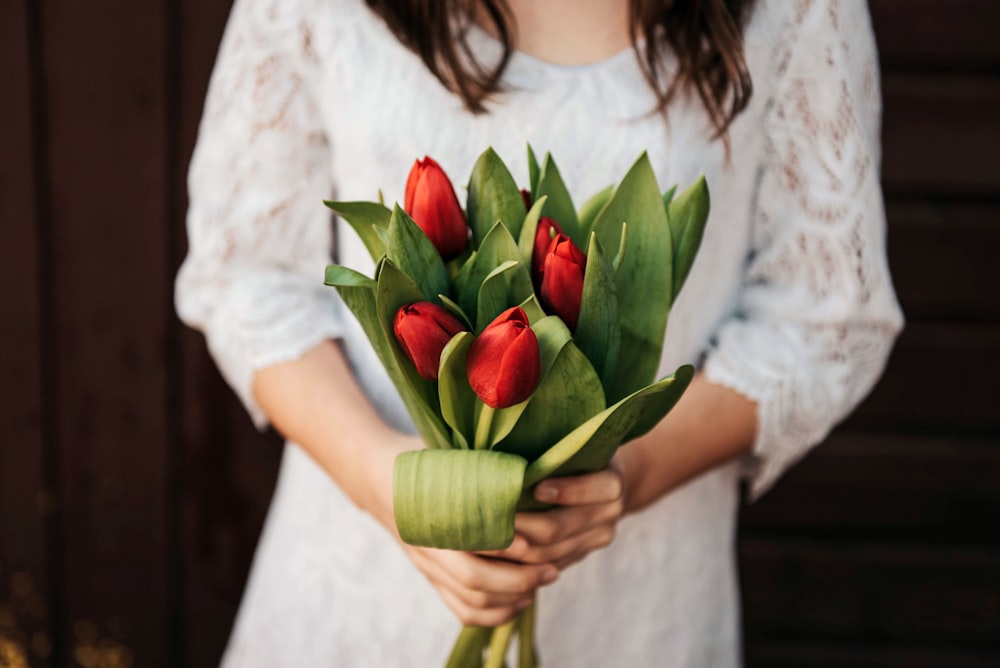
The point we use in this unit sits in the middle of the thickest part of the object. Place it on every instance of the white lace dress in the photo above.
(789, 302)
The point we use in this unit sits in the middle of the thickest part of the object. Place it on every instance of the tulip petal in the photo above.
(559, 205)
(688, 215)
(591, 208)
(359, 294)
(367, 218)
(413, 253)
(493, 196)
(597, 332)
(458, 401)
(394, 290)
(457, 499)
(590, 446)
(644, 276)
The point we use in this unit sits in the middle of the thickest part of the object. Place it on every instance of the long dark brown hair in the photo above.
(705, 37)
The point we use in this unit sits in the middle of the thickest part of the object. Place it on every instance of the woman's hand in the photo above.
(587, 510)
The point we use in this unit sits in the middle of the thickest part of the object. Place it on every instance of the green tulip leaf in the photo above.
(597, 330)
(590, 446)
(367, 218)
(559, 205)
(457, 499)
(493, 196)
(395, 290)
(688, 215)
(359, 294)
(569, 392)
(644, 275)
(668, 197)
(497, 247)
(412, 252)
(591, 208)
(533, 172)
(622, 245)
(533, 309)
(662, 403)
(526, 242)
(507, 285)
(458, 401)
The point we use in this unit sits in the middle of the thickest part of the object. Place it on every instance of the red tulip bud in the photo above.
(503, 363)
(562, 279)
(431, 202)
(423, 329)
(526, 196)
(547, 229)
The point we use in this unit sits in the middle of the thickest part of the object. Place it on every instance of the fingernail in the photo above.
(546, 493)
(550, 575)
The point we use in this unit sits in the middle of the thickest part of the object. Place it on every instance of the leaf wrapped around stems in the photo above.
(457, 499)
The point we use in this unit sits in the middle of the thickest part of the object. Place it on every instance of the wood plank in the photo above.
(942, 256)
(941, 377)
(104, 74)
(771, 653)
(891, 593)
(859, 486)
(929, 34)
(940, 134)
(227, 471)
(23, 496)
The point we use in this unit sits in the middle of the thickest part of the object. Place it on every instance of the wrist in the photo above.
(631, 463)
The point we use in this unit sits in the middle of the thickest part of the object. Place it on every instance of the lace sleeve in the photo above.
(259, 236)
(817, 314)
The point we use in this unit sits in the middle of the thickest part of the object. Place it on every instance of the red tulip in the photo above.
(546, 231)
(503, 363)
(423, 329)
(526, 196)
(562, 279)
(431, 202)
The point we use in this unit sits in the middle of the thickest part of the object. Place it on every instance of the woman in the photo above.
(789, 308)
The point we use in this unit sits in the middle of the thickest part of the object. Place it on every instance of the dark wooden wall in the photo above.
(132, 486)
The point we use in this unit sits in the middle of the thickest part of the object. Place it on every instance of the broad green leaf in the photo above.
(366, 218)
(688, 215)
(412, 252)
(493, 196)
(457, 499)
(663, 402)
(533, 172)
(359, 295)
(526, 242)
(394, 290)
(644, 275)
(590, 446)
(568, 394)
(668, 197)
(591, 208)
(559, 205)
(597, 330)
(456, 311)
(497, 247)
(458, 401)
(507, 285)
(532, 309)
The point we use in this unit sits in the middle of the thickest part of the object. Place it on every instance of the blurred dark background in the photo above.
(132, 485)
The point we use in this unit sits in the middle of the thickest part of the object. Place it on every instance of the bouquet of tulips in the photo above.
(524, 337)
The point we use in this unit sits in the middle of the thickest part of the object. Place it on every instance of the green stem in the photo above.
(527, 657)
(499, 644)
(468, 649)
(484, 425)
